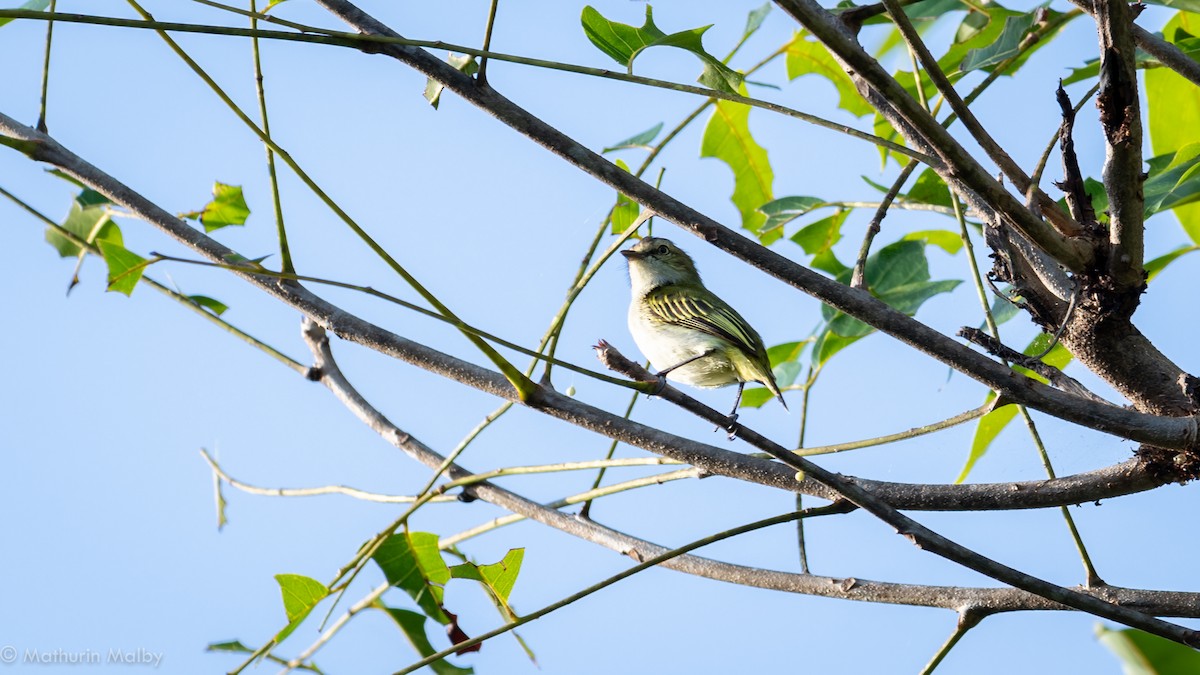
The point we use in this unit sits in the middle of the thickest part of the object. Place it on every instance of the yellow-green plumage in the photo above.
(674, 318)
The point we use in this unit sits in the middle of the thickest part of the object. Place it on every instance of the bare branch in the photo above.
(1121, 118)
(921, 536)
(988, 600)
(999, 155)
(1173, 433)
(1129, 477)
(957, 167)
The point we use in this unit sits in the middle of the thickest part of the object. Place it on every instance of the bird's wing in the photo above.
(705, 312)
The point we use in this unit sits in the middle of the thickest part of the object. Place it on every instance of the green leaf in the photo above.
(1006, 45)
(641, 140)
(929, 188)
(35, 5)
(239, 259)
(1174, 111)
(411, 561)
(978, 32)
(756, 398)
(828, 262)
(412, 625)
(1157, 265)
(88, 220)
(300, 595)
(215, 306)
(623, 43)
(497, 578)
(991, 424)
(727, 137)
(462, 63)
(950, 242)
(228, 207)
(1174, 180)
(272, 4)
(784, 210)
(828, 344)
(1145, 654)
(124, 266)
(986, 431)
(755, 19)
(625, 211)
(820, 236)
(805, 57)
(90, 197)
(1185, 5)
(898, 274)
(235, 646)
(896, 265)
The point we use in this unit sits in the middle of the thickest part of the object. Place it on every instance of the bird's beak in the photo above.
(631, 254)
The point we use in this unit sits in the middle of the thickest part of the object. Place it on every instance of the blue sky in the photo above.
(111, 526)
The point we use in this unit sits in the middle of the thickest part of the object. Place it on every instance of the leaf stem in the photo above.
(41, 122)
(285, 253)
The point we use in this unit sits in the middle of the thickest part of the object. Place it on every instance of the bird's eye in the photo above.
(663, 250)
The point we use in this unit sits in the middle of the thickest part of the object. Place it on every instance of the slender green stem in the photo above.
(1091, 577)
(582, 280)
(457, 323)
(487, 39)
(967, 416)
(41, 123)
(524, 386)
(285, 253)
(656, 560)
(966, 621)
(368, 496)
(169, 292)
(801, 547)
(586, 510)
(356, 41)
(426, 493)
(912, 57)
(585, 497)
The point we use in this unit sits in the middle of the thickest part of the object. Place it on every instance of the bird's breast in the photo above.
(667, 345)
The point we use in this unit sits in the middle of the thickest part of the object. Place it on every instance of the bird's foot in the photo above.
(662, 384)
(730, 426)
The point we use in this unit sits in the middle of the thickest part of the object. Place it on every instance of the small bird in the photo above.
(687, 332)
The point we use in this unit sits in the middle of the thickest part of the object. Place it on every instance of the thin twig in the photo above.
(372, 42)
(523, 384)
(831, 509)
(285, 252)
(967, 619)
(967, 416)
(918, 534)
(41, 122)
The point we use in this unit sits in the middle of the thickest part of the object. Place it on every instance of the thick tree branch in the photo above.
(1163, 432)
(998, 154)
(857, 303)
(959, 169)
(44, 148)
(1121, 118)
(1168, 54)
(986, 600)
(921, 536)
